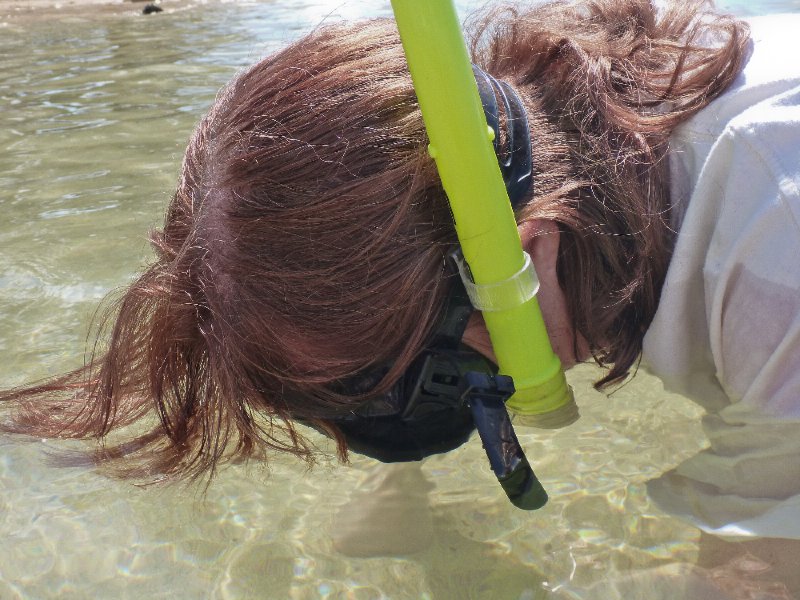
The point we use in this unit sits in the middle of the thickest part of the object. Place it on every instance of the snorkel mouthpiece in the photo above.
(486, 396)
(461, 142)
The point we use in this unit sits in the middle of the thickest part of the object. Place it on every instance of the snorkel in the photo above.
(497, 273)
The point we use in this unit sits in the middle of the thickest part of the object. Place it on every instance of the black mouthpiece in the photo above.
(486, 395)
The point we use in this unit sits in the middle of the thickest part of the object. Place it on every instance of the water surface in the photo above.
(95, 116)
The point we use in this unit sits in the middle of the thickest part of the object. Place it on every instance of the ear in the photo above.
(540, 239)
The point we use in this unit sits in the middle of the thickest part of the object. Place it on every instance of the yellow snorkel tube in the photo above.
(503, 282)
(498, 274)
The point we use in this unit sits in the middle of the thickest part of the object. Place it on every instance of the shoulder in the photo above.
(729, 315)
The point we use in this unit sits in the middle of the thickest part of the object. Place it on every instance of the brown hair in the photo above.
(306, 240)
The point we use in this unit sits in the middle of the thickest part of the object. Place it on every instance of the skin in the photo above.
(540, 238)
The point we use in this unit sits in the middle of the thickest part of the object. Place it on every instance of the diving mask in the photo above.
(450, 390)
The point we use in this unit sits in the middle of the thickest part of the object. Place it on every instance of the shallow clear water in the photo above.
(95, 114)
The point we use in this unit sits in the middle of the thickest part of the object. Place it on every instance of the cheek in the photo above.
(476, 336)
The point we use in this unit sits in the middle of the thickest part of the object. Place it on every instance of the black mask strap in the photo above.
(517, 167)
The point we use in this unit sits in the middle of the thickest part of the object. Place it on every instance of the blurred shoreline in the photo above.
(23, 11)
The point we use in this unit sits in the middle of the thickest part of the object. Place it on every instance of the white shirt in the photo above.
(727, 330)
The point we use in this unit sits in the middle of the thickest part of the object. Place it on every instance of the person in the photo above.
(303, 263)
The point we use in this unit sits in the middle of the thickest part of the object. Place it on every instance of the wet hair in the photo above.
(307, 239)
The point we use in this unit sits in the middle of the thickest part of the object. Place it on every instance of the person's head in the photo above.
(307, 240)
